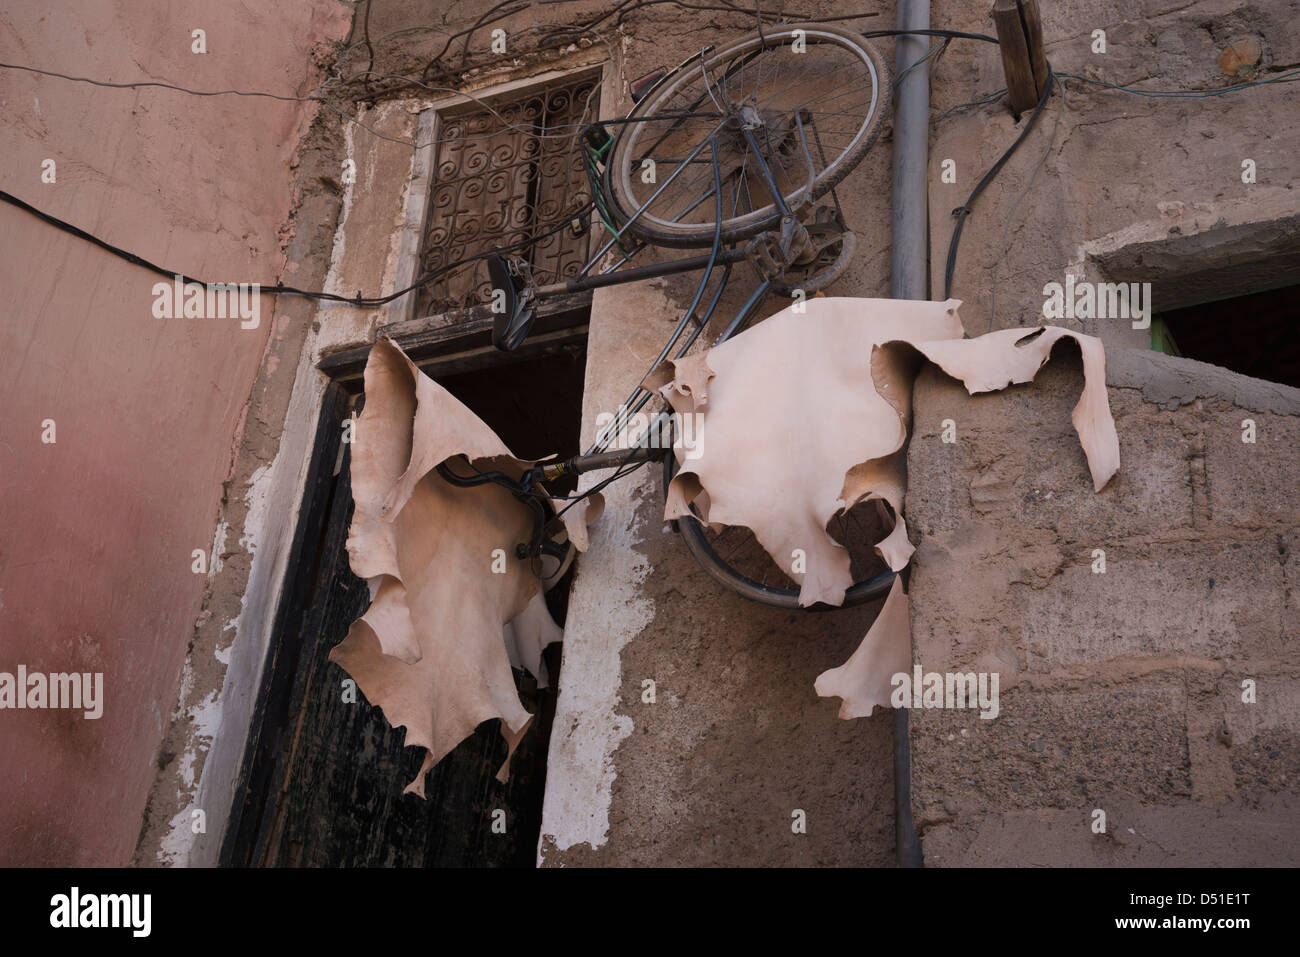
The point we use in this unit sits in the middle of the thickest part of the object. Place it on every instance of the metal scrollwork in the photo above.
(498, 182)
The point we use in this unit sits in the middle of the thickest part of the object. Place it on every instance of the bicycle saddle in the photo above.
(509, 325)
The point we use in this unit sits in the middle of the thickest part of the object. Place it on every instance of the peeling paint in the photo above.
(215, 563)
(340, 232)
(259, 486)
(588, 728)
(204, 718)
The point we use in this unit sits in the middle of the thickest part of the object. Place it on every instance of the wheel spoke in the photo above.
(838, 79)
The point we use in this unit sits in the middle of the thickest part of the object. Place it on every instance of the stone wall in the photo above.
(1120, 690)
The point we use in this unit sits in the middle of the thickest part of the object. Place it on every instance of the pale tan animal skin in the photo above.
(432, 648)
(796, 420)
(808, 413)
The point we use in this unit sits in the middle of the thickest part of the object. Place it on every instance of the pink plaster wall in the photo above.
(97, 530)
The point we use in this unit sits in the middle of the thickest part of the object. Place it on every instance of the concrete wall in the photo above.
(95, 566)
(1114, 170)
(1120, 691)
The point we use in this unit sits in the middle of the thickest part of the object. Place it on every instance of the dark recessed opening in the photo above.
(1253, 334)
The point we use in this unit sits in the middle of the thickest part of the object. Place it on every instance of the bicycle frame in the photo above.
(598, 457)
(594, 458)
(797, 247)
(521, 299)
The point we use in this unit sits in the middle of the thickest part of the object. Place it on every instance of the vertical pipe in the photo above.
(909, 278)
(909, 263)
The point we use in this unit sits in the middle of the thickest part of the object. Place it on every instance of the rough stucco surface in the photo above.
(737, 738)
(1119, 691)
(1131, 189)
(1122, 169)
(149, 412)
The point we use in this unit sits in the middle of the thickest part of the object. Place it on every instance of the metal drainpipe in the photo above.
(909, 278)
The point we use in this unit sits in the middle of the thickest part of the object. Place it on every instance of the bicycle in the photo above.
(771, 156)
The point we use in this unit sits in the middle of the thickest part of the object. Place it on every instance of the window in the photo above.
(507, 172)
(1252, 334)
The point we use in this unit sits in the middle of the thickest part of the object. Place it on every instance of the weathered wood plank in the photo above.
(1034, 37)
(459, 333)
(1020, 40)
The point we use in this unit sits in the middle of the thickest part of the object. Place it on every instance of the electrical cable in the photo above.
(165, 86)
(966, 107)
(1011, 216)
(964, 210)
(950, 34)
(960, 212)
(1289, 77)
(934, 48)
(281, 290)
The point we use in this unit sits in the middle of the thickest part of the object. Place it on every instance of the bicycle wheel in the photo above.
(735, 559)
(814, 99)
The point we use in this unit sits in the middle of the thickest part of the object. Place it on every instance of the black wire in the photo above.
(281, 290)
(360, 301)
(951, 34)
(961, 212)
(164, 86)
(623, 469)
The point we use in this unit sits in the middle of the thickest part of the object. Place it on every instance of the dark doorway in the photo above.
(1255, 334)
(324, 778)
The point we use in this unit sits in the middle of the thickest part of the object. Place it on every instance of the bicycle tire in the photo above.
(654, 230)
